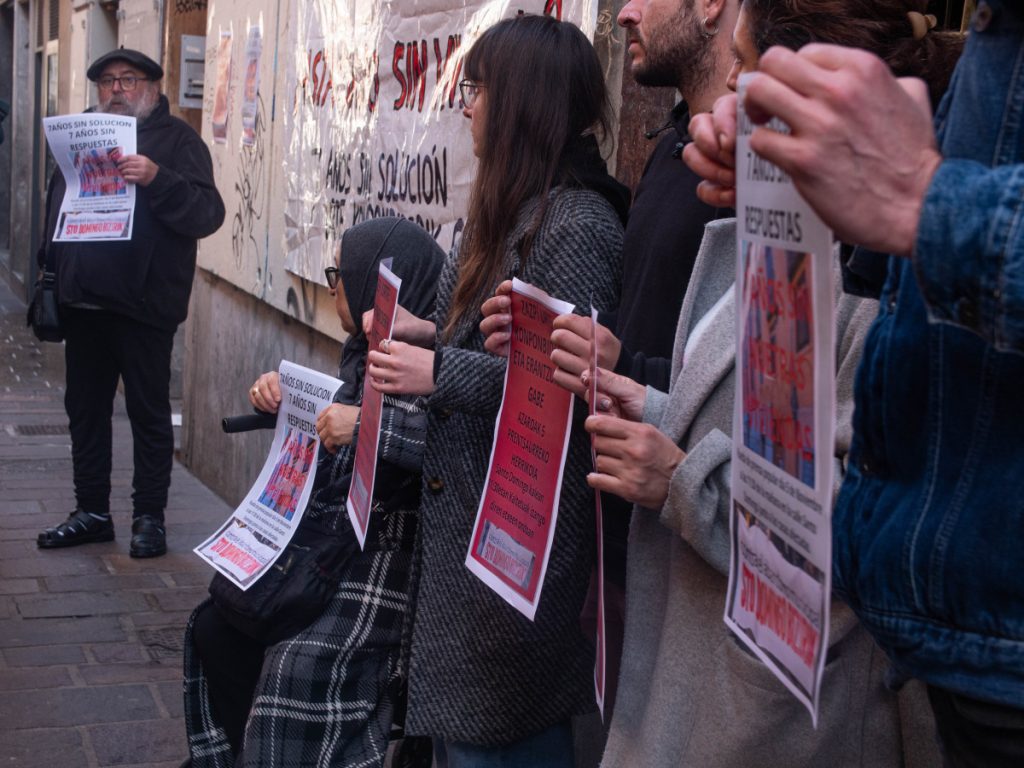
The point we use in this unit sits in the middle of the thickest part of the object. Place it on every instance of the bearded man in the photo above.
(121, 302)
(683, 44)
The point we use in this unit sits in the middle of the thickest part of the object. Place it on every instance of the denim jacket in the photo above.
(929, 524)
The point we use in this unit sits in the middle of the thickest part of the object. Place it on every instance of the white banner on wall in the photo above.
(373, 122)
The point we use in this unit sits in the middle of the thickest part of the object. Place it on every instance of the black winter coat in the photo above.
(148, 278)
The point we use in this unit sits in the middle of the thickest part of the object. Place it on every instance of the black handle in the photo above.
(249, 422)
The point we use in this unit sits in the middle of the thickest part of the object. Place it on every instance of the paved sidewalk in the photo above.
(90, 639)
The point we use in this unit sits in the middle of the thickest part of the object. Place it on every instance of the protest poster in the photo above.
(98, 203)
(515, 522)
(222, 90)
(364, 470)
(599, 641)
(251, 83)
(257, 532)
(783, 424)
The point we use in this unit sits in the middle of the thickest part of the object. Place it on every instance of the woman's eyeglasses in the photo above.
(469, 90)
(332, 274)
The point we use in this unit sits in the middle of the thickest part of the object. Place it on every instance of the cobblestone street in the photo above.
(90, 639)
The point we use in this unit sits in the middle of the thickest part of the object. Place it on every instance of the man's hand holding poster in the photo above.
(260, 528)
(515, 522)
(783, 425)
(98, 203)
(360, 496)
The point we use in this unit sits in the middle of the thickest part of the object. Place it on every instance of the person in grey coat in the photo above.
(689, 692)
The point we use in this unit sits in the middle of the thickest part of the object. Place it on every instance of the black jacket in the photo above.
(666, 226)
(148, 278)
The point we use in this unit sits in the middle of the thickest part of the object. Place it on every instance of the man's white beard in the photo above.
(140, 111)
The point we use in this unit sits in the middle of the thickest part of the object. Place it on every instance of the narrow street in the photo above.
(90, 639)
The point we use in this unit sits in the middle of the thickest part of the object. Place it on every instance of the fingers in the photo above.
(716, 196)
(498, 344)
(708, 168)
(609, 429)
(576, 324)
(768, 97)
(570, 363)
(617, 386)
(569, 381)
(265, 393)
(496, 305)
(572, 344)
(712, 154)
(368, 321)
(714, 133)
(496, 326)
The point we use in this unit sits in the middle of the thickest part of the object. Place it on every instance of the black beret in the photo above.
(140, 61)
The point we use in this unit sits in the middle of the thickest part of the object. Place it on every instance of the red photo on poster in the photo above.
(516, 519)
(360, 495)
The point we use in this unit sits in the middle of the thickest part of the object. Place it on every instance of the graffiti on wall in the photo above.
(250, 194)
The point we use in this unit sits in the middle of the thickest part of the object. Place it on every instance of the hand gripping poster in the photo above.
(364, 470)
(257, 532)
(515, 522)
(98, 203)
(783, 425)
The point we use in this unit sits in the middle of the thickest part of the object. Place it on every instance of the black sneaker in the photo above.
(79, 528)
(149, 539)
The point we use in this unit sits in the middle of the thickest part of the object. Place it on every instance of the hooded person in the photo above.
(328, 695)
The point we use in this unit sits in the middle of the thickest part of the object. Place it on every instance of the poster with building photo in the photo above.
(783, 425)
(98, 203)
(257, 532)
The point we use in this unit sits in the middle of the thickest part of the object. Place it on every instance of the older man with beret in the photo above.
(121, 303)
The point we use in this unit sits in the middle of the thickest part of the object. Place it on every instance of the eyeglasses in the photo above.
(469, 90)
(333, 274)
(128, 82)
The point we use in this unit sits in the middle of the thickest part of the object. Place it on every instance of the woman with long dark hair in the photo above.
(485, 682)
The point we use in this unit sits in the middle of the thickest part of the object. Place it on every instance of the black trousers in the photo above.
(977, 734)
(101, 347)
(232, 663)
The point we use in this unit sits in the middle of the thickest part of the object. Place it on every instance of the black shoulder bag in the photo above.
(44, 312)
(293, 592)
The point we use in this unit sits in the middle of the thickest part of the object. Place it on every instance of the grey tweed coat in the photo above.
(479, 671)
